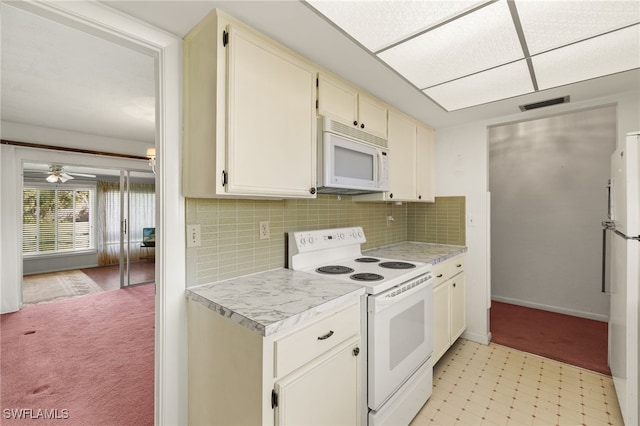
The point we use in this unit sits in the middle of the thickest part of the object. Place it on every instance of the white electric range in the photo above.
(398, 317)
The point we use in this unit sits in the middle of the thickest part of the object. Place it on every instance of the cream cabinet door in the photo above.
(324, 392)
(337, 100)
(271, 126)
(441, 320)
(458, 312)
(372, 116)
(424, 160)
(402, 161)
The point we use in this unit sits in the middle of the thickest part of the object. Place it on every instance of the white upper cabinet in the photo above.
(249, 115)
(410, 161)
(344, 103)
(402, 161)
(425, 141)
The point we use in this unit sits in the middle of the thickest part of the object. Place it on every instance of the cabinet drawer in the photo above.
(457, 265)
(447, 269)
(299, 348)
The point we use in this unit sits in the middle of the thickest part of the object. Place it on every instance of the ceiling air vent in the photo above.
(546, 103)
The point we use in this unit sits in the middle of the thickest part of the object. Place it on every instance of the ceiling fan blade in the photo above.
(65, 177)
(81, 174)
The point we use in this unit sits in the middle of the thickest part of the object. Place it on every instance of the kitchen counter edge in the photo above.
(272, 301)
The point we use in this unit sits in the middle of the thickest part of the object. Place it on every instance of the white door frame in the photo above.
(170, 312)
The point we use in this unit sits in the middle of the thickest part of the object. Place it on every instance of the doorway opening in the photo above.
(548, 180)
(85, 230)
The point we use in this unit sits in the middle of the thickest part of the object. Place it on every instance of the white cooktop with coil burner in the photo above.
(336, 253)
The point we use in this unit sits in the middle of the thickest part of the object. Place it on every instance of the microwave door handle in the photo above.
(380, 168)
(609, 204)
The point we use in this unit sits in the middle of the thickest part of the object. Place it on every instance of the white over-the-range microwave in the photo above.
(350, 161)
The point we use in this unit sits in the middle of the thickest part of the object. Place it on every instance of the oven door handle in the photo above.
(396, 295)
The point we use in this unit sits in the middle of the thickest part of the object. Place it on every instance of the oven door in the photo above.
(399, 338)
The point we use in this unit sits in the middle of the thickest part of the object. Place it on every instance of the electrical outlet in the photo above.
(264, 230)
(193, 236)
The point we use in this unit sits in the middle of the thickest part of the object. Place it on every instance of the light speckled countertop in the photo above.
(271, 301)
(420, 252)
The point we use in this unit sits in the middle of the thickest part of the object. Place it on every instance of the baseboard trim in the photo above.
(483, 339)
(551, 308)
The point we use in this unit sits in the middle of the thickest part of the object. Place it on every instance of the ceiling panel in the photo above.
(589, 59)
(498, 83)
(475, 42)
(550, 24)
(378, 24)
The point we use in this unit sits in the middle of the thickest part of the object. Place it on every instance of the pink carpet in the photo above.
(82, 361)
(572, 340)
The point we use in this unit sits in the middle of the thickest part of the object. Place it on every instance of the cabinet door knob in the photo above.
(459, 265)
(439, 276)
(312, 191)
(356, 351)
(355, 123)
(326, 336)
(391, 195)
(419, 197)
(454, 284)
(362, 126)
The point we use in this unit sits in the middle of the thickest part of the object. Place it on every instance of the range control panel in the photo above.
(322, 239)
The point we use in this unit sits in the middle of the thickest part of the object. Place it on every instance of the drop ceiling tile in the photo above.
(377, 24)
(550, 24)
(478, 41)
(488, 86)
(608, 54)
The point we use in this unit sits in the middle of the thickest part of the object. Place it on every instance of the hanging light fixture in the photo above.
(151, 155)
(57, 174)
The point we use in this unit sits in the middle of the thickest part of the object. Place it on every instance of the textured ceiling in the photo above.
(58, 77)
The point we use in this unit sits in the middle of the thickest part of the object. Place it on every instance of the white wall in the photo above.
(462, 169)
(59, 262)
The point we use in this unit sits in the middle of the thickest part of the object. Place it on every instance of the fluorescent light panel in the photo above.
(550, 24)
(596, 57)
(475, 42)
(461, 63)
(378, 24)
(499, 83)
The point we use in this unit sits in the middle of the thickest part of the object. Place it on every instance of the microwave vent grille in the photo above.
(346, 130)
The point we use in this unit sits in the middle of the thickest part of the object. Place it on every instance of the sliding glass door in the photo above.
(137, 229)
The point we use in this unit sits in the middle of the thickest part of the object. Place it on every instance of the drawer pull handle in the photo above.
(439, 276)
(459, 265)
(326, 336)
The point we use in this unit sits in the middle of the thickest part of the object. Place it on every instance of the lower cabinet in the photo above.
(449, 307)
(309, 374)
(324, 392)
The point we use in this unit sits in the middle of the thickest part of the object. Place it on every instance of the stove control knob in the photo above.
(341, 236)
(310, 240)
(359, 234)
(302, 241)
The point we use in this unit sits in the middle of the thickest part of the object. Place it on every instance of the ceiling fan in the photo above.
(57, 174)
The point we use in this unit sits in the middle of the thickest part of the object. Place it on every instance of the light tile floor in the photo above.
(476, 384)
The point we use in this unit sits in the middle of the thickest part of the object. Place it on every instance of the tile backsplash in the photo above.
(231, 245)
(442, 222)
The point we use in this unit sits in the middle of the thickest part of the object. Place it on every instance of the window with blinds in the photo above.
(57, 220)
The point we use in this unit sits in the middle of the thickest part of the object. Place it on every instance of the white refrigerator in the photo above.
(623, 227)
